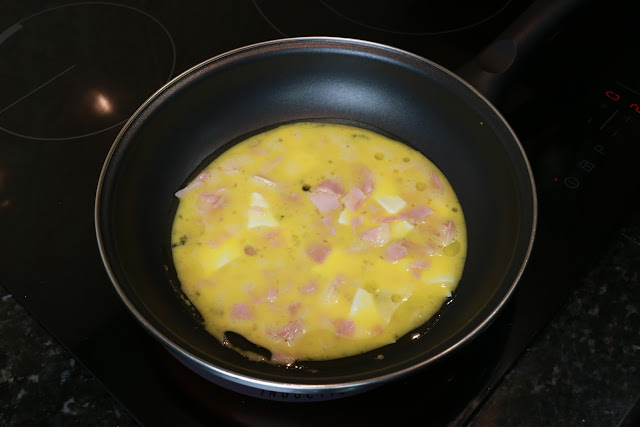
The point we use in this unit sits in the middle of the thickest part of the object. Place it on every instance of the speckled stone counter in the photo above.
(582, 369)
(41, 384)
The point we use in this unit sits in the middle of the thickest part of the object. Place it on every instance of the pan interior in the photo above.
(247, 91)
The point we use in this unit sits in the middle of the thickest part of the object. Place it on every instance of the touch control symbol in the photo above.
(571, 182)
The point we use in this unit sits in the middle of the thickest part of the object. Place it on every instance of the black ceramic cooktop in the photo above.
(71, 73)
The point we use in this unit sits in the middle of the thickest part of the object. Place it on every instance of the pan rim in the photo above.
(281, 386)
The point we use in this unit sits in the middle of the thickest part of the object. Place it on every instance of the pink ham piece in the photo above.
(274, 238)
(436, 182)
(356, 222)
(327, 224)
(292, 197)
(318, 252)
(353, 199)
(217, 240)
(379, 235)
(232, 167)
(417, 250)
(396, 251)
(418, 213)
(336, 283)
(290, 332)
(241, 311)
(377, 329)
(325, 202)
(345, 327)
(204, 176)
(417, 267)
(331, 187)
(366, 180)
(214, 200)
(272, 293)
(309, 288)
(391, 218)
(269, 297)
(294, 308)
(283, 358)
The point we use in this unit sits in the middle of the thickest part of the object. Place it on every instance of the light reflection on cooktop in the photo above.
(96, 63)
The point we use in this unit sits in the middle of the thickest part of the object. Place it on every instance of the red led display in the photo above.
(611, 94)
(616, 97)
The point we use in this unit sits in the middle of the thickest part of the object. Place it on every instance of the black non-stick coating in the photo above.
(258, 87)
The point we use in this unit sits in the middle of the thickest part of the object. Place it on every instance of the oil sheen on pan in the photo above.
(318, 241)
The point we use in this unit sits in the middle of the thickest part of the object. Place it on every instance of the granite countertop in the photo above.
(582, 369)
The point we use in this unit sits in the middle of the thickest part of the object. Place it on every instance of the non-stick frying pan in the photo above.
(245, 91)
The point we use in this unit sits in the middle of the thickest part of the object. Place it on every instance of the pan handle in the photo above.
(492, 70)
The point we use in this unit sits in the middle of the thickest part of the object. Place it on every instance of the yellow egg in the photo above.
(318, 241)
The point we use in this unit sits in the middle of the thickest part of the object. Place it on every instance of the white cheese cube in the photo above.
(258, 200)
(345, 217)
(258, 214)
(392, 204)
(212, 259)
(363, 304)
(260, 217)
(399, 229)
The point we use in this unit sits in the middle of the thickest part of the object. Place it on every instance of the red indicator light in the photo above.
(555, 179)
(611, 94)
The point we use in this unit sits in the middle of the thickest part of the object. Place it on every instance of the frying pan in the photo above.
(223, 100)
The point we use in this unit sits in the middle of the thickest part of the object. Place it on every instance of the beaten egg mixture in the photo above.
(318, 241)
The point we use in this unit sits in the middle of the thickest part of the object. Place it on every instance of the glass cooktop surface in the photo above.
(73, 72)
